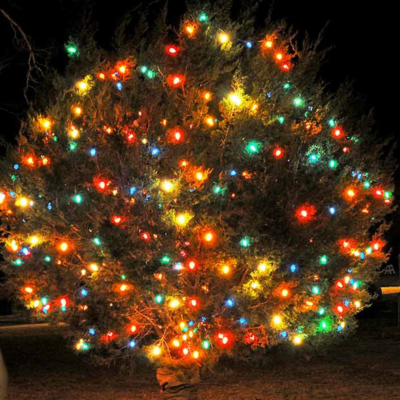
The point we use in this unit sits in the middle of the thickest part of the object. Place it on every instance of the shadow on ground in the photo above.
(42, 366)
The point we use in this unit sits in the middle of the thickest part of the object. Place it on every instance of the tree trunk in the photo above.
(179, 384)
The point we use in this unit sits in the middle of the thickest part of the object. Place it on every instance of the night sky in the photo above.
(364, 36)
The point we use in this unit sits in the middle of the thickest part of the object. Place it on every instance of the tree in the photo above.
(196, 192)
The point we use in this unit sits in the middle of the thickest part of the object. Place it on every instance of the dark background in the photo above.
(363, 36)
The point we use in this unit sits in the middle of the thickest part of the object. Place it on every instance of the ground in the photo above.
(42, 366)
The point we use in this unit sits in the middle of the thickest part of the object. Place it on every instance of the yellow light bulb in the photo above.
(82, 85)
(255, 285)
(210, 121)
(235, 99)
(22, 202)
(34, 240)
(196, 354)
(167, 186)
(268, 44)
(77, 111)
(226, 269)
(36, 303)
(156, 351)
(297, 340)
(94, 267)
(223, 38)
(277, 320)
(176, 343)
(262, 267)
(254, 107)
(208, 237)
(207, 96)
(74, 132)
(174, 303)
(181, 219)
(64, 246)
(357, 304)
(14, 246)
(285, 293)
(199, 176)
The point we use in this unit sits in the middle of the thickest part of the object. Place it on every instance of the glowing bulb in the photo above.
(278, 153)
(34, 240)
(172, 50)
(157, 351)
(77, 111)
(82, 85)
(199, 176)
(223, 38)
(174, 303)
(297, 340)
(350, 193)
(255, 285)
(207, 96)
(235, 99)
(28, 290)
(176, 343)
(64, 246)
(333, 164)
(73, 132)
(279, 56)
(210, 121)
(277, 320)
(268, 44)
(357, 304)
(46, 123)
(285, 293)
(158, 298)
(167, 186)
(226, 269)
(122, 69)
(209, 236)
(94, 267)
(253, 147)
(262, 267)
(78, 199)
(323, 260)
(196, 354)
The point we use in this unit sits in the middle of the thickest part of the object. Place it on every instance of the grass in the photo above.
(42, 366)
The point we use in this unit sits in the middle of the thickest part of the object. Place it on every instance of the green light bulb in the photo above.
(298, 102)
(286, 86)
(367, 185)
(333, 164)
(332, 123)
(78, 199)
(203, 17)
(281, 119)
(253, 147)
(245, 242)
(97, 241)
(73, 146)
(323, 260)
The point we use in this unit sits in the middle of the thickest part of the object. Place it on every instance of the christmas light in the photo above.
(158, 298)
(225, 269)
(223, 38)
(253, 147)
(333, 164)
(323, 260)
(209, 237)
(203, 17)
(315, 289)
(268, 44)
(172, 50)
(298, 102)
(235, 99)
(297, 340)
(78, 199)
(337, 133)
(278, 153)
(175, 80)
(277, 320)
(64, 247)
(167, 186)
(245, 242)
(156, 351)
(191, 29)
(175, 303)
